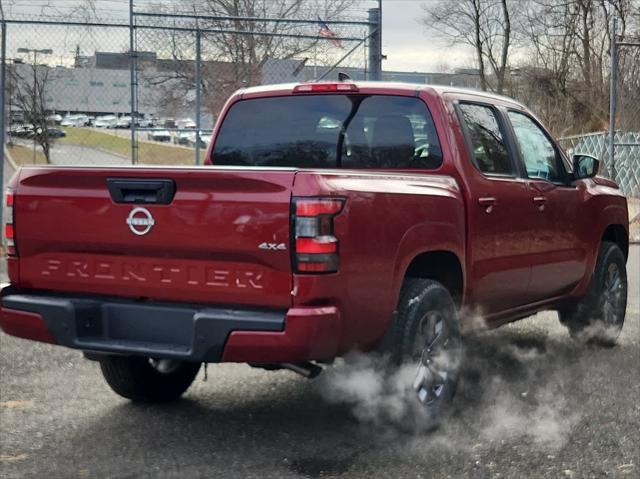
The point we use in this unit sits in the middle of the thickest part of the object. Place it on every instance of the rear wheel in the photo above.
(147, 379)
(425, 342)
(599, 316)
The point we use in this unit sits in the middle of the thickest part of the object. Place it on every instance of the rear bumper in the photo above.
(166, 330)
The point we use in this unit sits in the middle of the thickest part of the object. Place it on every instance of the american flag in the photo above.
(326, 32)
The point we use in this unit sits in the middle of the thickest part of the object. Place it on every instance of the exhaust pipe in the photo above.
(308, 370)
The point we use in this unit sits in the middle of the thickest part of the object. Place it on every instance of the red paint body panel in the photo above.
(377, 243)
(515, 258)
(25, 325)
(13, 269)
(311, 333)
(202, 248)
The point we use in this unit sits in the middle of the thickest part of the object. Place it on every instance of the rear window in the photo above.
(329, 131)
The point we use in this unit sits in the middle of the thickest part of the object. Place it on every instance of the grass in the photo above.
(149, 153)
(23, 155)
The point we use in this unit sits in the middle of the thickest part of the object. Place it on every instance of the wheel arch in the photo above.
(614, 232)
(617, 233)
(442, 266)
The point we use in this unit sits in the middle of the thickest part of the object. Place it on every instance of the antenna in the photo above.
(342, 76)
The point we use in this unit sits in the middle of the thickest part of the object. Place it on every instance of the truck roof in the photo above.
(387, 87)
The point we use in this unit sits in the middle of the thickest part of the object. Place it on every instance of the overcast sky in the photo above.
(409, 46)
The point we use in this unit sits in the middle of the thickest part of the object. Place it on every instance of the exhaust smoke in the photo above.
(511, 387)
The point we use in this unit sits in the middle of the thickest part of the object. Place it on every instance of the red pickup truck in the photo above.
(336, 217)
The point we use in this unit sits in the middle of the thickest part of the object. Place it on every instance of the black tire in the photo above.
(425, 334)
(599, 316)
(136, 378)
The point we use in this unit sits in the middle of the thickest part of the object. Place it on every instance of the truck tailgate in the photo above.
(222, 238)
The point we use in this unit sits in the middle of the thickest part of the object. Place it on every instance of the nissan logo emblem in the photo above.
(140, 221)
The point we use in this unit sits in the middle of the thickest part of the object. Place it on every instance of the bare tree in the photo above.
(30, 84)
(235, 57)
(562, 65)
(568, 59)
(251, 50)
(484, 25)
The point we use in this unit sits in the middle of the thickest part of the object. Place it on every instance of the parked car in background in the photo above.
(106, 121)
(21, 131)
(75, 120)
(203, 139)
(146, 122)
(56, 133)
(68, 121)
(168, 123)
(186, 123)
(162, 136)
(185, 138)
(54, 119)
(123, 122)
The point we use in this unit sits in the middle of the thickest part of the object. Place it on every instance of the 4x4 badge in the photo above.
(273, 246)
(140, 221)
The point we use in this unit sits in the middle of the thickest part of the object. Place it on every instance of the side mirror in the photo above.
(585, 166)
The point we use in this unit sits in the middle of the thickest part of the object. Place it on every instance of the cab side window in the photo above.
(538, 153)
(490, 153)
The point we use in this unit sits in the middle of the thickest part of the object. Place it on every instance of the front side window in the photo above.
(490, 153)
(538, 153)
(329, 131)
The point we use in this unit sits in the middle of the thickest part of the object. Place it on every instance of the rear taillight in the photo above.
(9, 229)
(315, 246)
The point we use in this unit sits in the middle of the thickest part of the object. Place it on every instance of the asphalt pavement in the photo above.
(532, 403)
(78, 155)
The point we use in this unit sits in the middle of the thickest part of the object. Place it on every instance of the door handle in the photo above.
(539, 201)
(487, 202)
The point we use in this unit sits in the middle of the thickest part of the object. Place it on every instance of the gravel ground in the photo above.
(532, 404)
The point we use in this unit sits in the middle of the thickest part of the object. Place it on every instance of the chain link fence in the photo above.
(627, 156)
(204, 59)
(625, 113)
(147, 88)
(619, 148)
(53, 88)
(79, 78)
(624, 130)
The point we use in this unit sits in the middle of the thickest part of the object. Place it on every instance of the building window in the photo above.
(96, 83)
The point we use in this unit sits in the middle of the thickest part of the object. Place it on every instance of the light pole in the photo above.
(34, 96)
(35, 51)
